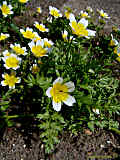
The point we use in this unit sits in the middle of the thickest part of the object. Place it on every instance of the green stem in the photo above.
(115, 130)
(17, 116)
(100, 157)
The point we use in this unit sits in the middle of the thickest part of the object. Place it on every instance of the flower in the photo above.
(38, 48)
(118, 59)
(23, 1)
(67, 12)
(89, 9)
(113, 41)
(6, 53)
(28, 33)
(37, 38)
(80, 28)
(6, 9)
(84, 14)
(65, 36)
(3, 36)
(95, 110)
(117, 50)
(10, 80)
(59, 93)
(11, 61)
(103, 14)
(39, 10)
(35, 69)
(54, 12)
(48, 44)
(41, 27)
(18, 49)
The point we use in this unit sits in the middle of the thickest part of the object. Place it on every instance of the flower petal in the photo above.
(48, 92)
(59, 79)
(70, 85)
(84, 22)
(69, 101)
(2, 83)
(56, 106)
(91, 32)
(72, 17)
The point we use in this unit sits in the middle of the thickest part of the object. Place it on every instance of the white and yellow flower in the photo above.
(103, 14)
(23, 1)
(117, 50)
(67, 12)
(10, 80)
(39, 9)
(65, 36)
(80, 28)
(54, 12)
(49, 19)
(37, 38)
(4, 36)
(28, 33)
(11, 61)
(38, 48)
(6, 9)
(41, 27)
(48, 44)
(84, 14)
(113, 42)
(95, 110)
(34, 68)
(18, 49)
(89, 9)
(60, 93)
(6, 53)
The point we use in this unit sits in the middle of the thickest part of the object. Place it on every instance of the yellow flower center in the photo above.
(103, 15)
(64, 36)
(54, 13)
(67, 14)
(84, 15)
(10, 80)
(112, 43)
(28, 34)
(18, 50)
(7, 54)
(40, 27)
(35, 69)
(39, 51)
(23, 1)
(47, 44)
(59, 92)
(2, 37)
(5, 9)
(115, 50)
(39, 10)
(118, 59)
(12, 62)
(79, 29)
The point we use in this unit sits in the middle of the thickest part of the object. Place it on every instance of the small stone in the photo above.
(102, 146)
(88, 132)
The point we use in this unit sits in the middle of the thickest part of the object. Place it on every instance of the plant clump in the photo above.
(62, 68)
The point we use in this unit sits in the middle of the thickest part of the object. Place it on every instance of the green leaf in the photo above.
(91, 125)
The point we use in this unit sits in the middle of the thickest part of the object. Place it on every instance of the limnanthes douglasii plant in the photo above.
(61, 72)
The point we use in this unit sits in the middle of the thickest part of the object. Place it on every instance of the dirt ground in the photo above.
(112, 7)
(26, 145)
